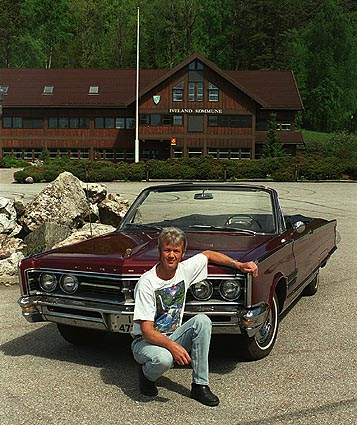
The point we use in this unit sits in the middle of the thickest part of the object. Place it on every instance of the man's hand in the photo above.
(249, 267)
(180, 355)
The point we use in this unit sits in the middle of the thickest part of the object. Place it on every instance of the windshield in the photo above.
(203, 209)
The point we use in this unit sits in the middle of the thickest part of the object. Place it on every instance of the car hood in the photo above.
(124, 252)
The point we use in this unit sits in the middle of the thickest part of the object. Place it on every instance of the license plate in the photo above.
(122, 323)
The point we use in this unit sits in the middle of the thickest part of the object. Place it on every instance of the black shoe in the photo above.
(204, 395)
(146, 387)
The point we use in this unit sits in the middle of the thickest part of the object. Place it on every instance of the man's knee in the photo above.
(202, 321)
(164, 360)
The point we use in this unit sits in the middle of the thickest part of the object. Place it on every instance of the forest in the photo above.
(314, 38)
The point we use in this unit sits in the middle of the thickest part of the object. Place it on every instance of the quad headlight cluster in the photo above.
(67, 282)
(229, 289)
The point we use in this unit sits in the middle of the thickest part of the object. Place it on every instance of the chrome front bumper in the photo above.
(91, 315)
(226, 319)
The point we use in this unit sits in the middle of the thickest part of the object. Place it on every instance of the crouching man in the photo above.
(160, 340)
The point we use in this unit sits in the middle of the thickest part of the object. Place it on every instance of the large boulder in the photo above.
(8, 217)
(112, 209)
(86, 232)
(95, 192)
(63, 201)
(46, 236)
(10, 255)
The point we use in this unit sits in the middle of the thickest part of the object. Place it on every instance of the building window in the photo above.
(48, 90)
(18, 122)
(122, 122)
(224, 153)
(213, 93)
(155, 119)
(83, 123)
(15, 122)
(160, 120)
(145, 119)
(177, 92)
(191, 92)
(28, 153)
(241, 121)
(245, 153)
(194, 152)
(73, 154)
(119, 122)
(84, 153)
(195, 123)
(195, 92)
(177, 120)
(63, 122)
(213, 152)
(195, 65)
(262, 125)
(284, 126)
(7, 122)
(93, 90)
(104, 122)
(235, 153)
(130, 123)
(178, 152)
(4, 88)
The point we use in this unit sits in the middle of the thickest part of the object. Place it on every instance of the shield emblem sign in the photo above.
(156, 99)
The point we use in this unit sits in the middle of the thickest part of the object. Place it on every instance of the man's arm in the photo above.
(180, 355)
(223, 260)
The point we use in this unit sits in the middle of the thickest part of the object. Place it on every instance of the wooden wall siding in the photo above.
(230, 98)
(229, 131)
(160, 130)
(281, 115)
(67, 132)
(215, 143)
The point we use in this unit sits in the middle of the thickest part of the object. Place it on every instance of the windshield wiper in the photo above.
(223, 228)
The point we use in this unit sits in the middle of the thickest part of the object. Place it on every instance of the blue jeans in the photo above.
(194, 335)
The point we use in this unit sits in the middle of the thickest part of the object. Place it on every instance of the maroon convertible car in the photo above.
(87, 288)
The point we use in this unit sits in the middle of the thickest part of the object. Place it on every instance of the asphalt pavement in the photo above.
(309, 378)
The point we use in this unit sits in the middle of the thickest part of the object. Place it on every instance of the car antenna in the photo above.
(87, 196)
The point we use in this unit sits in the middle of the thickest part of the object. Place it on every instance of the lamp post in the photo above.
(137, 149)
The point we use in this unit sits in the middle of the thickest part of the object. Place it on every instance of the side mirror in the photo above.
(299, 227)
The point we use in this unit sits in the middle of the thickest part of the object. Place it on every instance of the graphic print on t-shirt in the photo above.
(169, 305)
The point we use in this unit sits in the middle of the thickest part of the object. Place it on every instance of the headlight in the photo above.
(48, 282)
(230, 289)
(69, 283)
(202, 290)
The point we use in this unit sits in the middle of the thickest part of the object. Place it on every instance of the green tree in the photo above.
(10, 30)
(45, 32)
(273, 147)
(331, 64)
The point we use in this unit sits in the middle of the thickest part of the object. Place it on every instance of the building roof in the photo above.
(116, 87)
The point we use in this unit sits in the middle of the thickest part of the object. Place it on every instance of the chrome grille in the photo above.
(92, 286)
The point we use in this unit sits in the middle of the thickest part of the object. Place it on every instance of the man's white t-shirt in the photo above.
(162, 301)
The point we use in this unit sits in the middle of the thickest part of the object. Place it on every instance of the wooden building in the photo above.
(194, 109)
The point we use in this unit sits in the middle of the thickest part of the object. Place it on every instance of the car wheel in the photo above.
(261, 344)
(80, 336)
(312, 287)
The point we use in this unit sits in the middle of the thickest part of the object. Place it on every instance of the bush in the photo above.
(9, 161)
(20, 176)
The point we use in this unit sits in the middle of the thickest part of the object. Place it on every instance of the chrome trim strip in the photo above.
(249, 290)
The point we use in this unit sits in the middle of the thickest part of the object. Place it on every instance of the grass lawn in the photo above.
(315, 136)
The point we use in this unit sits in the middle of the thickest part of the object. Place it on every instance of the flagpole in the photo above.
(137, 92)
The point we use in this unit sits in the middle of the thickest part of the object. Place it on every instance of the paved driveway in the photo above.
(309, 378)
